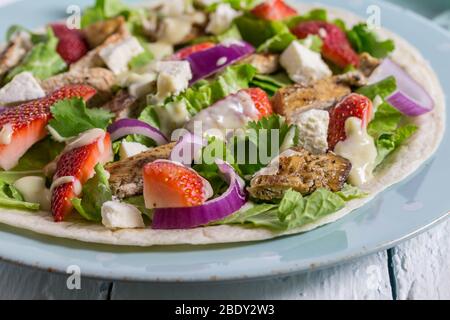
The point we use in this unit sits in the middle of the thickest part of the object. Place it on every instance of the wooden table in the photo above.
(416, 269)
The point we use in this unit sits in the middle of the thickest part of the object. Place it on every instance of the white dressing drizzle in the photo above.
(6, 134)
(87, 138)
(67, 179)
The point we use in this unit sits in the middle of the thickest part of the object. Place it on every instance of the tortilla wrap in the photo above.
(395, 168)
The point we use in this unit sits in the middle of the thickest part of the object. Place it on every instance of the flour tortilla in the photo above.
(396, 168)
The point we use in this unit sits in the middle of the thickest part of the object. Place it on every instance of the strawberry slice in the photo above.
(336, 47)
(354, 105)
(72, 45)
(78, 163)
(24, 125)
(273, 10)
(186, 52)
(261, 101)
(169, 184)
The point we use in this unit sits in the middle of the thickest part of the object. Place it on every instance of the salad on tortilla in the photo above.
(207, 121)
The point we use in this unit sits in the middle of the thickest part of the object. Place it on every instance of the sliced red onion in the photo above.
(206, 63)
(2, 109)
(187, 149)
(410, 98)
(125, 127)
(216, 209)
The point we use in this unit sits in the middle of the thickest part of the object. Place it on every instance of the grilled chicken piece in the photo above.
(264, 63)
(14, 52)
(368, 63)
(303, 172)
(126, 175)
(97, 33)
(123, 104)
(295, 99)
(103, 80)
(354, 79)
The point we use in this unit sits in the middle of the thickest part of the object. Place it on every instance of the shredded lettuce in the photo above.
(365, 40)
(387, 126)
(96, 191)
(43, 60)
(10, 197)
(71, 117)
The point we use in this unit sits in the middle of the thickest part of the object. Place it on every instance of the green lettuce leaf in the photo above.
(386, 127)
(96, 191)
(140, 60)
(365, 40)
(315, 14)
(277, 43)
(71, 117)
(102, 10)
(10, 197)
(139, 202)
(257, 31)
(271, 83)
(235, 4)
(350, 192)
(293, 211)
(43, 60)
(39, 155)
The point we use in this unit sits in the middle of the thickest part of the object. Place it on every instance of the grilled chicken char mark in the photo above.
(303, 172)
(126, 175)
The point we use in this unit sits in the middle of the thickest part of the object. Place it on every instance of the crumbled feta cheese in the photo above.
(129, 149)
(173, 78)
(23, 87)
(119, 215)
(303, 65)
(174, 30)
(313, 130)
(117, 55)
(221, 19)
(140, 85)
(175, 8)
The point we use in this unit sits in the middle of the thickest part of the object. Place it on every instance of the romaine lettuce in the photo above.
(10, 197)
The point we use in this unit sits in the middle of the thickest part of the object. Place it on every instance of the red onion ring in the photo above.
(216, 209)
(187, 148)
(125, 127)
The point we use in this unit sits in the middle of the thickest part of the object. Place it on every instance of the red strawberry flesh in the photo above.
(273, 10)
(28, 122)
(354, 105)
(72, 45)
(261, 101)
(186, 52)
(78, 163)
(171, 185)
(336, 47)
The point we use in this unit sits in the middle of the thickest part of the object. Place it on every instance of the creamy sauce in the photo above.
(172, 116)
(360, 149)
(231, 113)
(87, 138)
(33, 190)
(6, 134)
(55, 135)
(273, 166)
(67, 179)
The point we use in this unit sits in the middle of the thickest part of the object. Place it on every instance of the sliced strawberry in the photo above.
(261, 101)
(168, 184)
(354, 105)
(78, 163)
(72, 45)
(186, 52)
(273, 10)
(25, 124)
(336, 47)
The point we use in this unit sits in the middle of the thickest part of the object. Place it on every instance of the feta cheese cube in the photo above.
(303, 65)
(174, 30)
(141, 85)
(221, 19)
(119, 215)
(160, 49)
(313, 130)
(117, 55)
(129, 149)
(23, 87)
(173, 78)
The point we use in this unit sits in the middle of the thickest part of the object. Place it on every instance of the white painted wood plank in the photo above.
(365, 278)
(422, 265)
(17, 282)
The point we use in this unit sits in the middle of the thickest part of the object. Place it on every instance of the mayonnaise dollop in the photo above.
(359, 148)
